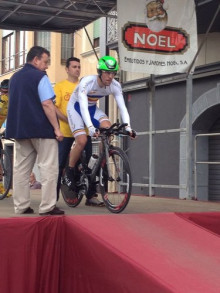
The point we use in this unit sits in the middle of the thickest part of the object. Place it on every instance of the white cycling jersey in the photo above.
(84, 99)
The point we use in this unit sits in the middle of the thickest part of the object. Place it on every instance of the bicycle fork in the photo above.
(107, 155)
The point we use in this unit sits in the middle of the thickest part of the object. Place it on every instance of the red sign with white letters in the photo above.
(140, 37)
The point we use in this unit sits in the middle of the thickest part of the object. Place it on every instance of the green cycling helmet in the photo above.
(107, 63)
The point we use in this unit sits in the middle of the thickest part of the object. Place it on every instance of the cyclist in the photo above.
(4, 100)
(83, 112)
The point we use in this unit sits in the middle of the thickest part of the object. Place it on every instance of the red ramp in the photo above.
(111, 253)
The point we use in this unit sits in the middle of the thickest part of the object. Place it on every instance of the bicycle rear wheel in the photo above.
(116, 187)
(5, 173)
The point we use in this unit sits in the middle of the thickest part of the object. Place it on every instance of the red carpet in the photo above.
(111, 253)
(209, 221)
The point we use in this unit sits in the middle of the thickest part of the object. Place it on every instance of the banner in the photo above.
(156, 36)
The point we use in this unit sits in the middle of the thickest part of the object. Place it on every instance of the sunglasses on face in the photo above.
(110, 72)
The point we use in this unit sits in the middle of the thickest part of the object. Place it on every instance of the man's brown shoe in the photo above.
(54, 212)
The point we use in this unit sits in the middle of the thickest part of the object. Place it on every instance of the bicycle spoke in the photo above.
(5, 173)
(116, 186)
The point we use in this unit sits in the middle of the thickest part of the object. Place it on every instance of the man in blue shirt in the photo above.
(33, 123)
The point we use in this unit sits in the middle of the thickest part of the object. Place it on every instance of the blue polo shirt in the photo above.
(45, 89)
(26, 117)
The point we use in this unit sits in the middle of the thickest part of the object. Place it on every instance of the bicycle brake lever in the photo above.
(122, 126)
(112, 126)
(134, 134)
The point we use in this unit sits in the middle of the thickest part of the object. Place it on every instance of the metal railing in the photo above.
(201, 162)
(154, 185)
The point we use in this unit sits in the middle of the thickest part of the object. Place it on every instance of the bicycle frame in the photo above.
(1, 144)
(105, 146)
(6, 170)
(103, 153)
(112, 169)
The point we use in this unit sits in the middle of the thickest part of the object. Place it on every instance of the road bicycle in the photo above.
(5, 170)
(111, 173)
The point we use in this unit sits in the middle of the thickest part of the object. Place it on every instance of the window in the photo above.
(20, 53)
(13, 50)
(96, 33)
(67, 43)
(8, 51)
(96, 42)
(42, 39)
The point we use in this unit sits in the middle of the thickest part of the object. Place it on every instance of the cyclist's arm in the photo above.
(121, 105)
(83, 102)
(124, 112)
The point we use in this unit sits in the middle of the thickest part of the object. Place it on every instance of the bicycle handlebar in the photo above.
(115, 129)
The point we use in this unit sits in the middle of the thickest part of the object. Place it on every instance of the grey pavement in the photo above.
(138, 204)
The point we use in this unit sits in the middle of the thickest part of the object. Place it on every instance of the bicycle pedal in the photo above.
(82, 192)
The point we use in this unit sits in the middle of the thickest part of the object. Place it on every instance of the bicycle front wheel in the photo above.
(116, 181)
(5, 173)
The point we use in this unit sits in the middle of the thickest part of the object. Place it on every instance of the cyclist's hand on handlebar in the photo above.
(93, 131)
(132, 133)
(97, 132)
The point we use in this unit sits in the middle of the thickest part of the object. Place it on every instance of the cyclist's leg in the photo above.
(80, 142)
(104, 122)
(100, 119)
(88, 149)
(79, 133)
(88, 154)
